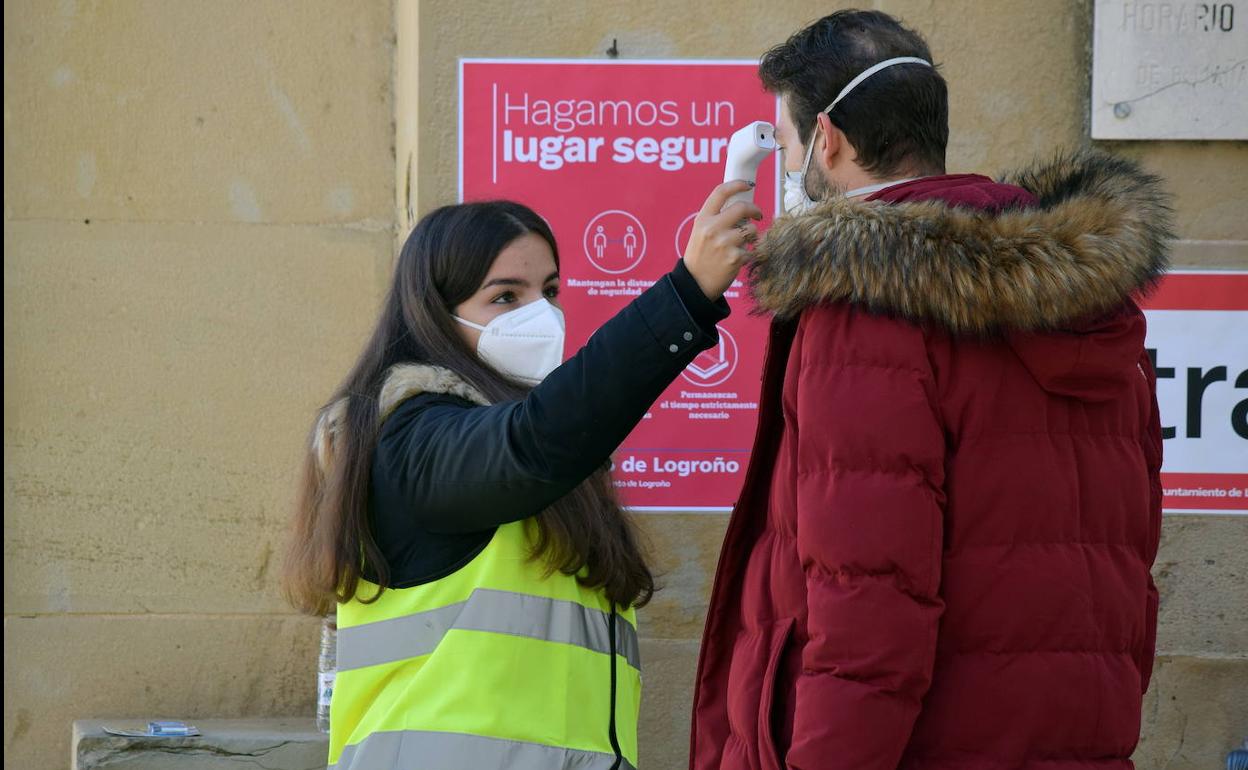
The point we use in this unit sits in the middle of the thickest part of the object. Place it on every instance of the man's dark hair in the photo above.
(897, 120)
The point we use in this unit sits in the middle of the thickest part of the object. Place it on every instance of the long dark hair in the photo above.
(443, 263)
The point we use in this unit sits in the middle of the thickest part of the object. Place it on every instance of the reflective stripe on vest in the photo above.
(499, 612)
(494, 666)
(456, 751)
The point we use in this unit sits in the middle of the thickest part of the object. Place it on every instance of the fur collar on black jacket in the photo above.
(402, 382)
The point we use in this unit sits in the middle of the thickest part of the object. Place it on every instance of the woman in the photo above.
(457, 504)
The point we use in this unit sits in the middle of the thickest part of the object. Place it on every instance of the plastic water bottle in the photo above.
(1238, 759)
(327, 668)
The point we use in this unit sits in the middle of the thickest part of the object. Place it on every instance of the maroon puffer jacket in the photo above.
(941, 555)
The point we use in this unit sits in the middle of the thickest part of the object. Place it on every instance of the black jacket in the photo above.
(446, 472)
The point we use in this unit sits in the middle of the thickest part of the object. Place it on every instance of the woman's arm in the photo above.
(450, 467)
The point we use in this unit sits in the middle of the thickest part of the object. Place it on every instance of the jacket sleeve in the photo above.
(452, 467)
(870, 500)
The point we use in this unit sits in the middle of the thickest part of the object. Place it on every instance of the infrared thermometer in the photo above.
(747, 148)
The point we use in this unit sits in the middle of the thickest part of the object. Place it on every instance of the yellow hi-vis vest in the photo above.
(494, 666)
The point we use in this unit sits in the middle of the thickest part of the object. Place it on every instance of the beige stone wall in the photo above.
(199, 217)
(198, 220)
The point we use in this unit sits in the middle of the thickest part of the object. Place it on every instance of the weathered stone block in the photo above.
(226, 744)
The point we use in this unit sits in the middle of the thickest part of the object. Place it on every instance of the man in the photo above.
(940, 558)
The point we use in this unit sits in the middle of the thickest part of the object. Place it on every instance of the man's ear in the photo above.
(834, 142)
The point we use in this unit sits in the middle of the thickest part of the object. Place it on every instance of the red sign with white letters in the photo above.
(618, 157)
(1198, 339)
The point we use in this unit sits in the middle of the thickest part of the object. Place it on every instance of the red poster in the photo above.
(618, 157)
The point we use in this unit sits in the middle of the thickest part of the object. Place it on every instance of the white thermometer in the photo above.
(747, 148)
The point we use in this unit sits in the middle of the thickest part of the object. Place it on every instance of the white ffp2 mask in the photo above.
(796, 199)
(525, 344)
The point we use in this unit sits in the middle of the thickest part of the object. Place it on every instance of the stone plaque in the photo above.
(1170, 70)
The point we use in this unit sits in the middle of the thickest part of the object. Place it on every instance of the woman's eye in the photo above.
(506, 298)
(552, 292)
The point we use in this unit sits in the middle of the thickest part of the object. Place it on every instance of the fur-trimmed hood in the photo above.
(1101, 231)
(402, 382)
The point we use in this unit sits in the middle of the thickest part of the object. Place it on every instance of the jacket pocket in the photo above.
(769, 757)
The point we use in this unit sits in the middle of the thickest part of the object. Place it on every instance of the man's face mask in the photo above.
(796, 199)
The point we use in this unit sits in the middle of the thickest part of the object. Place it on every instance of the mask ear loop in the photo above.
(810, 153)
(869, 71)
(850, 86)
